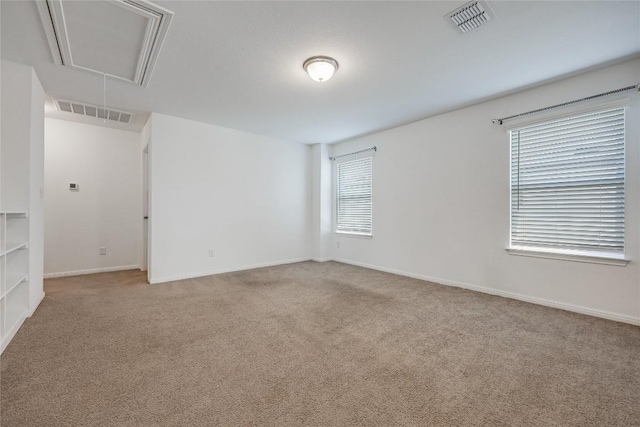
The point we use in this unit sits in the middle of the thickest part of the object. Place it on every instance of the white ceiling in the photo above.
(239, 64)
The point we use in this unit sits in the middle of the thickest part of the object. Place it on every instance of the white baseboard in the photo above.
(90, 271)
(321, 259)
(535, 300)
(165, 279)
(33, 310)
(12, 332)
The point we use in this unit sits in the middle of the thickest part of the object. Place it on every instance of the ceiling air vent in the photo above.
(93, 111)
(470, 16)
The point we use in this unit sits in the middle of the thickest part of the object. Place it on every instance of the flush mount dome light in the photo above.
(320, 68)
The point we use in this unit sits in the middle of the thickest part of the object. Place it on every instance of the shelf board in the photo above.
(11, 247)
(13, 283)
(14, 213)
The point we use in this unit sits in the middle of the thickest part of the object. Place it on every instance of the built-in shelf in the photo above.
(14, 270)
(11, 329)
(12, 247)
(13, 283)
(14, 213)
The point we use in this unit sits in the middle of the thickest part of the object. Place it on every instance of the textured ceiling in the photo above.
(239, 64)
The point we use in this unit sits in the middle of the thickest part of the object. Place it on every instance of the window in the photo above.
(353, 201)
(567, 185)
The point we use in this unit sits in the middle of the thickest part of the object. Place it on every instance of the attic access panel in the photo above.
(120, 38)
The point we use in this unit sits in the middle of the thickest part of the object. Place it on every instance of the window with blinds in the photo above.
(567, 184)
(353, 196)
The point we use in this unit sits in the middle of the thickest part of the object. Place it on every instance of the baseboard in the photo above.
(12, 332)
(91, 271)
(534, 300)
(224, 270)
(30, 313)
(321, 259)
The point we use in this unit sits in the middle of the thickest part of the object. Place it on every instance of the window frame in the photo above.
(608, 258)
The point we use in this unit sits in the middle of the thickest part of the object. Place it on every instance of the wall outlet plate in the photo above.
(73, 186)
(103, 250)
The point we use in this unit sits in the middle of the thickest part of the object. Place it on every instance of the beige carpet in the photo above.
(312, 344)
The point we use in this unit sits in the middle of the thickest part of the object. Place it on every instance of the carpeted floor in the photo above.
(312, 344)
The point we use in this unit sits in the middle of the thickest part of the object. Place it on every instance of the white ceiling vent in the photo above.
(470, 16)
(93, 111)
(119, 38)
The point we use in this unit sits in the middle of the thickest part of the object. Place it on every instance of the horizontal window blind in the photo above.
(567, 183)
(354, 193)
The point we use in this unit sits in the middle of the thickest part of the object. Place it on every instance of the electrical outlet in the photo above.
(338, 245)
(210, 253)
(103, 250)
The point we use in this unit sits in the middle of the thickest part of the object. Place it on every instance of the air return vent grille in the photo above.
(93, 111)
(470, 16)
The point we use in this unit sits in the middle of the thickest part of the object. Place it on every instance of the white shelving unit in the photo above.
(14, 277)
(22, 192)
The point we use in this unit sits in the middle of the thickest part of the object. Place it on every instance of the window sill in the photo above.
(595, 257)
(357, 235)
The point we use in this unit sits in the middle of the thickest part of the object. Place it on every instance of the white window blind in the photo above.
(567, 183)
(354, 192)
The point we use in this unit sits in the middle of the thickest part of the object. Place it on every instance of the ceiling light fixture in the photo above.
(320, 68)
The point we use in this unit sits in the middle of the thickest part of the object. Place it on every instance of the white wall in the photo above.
(36, 194)
(106, 211)
(321, 191)
(242, 195)
(21, 174)
(441, 205)
(16, 134)
(22, 161)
